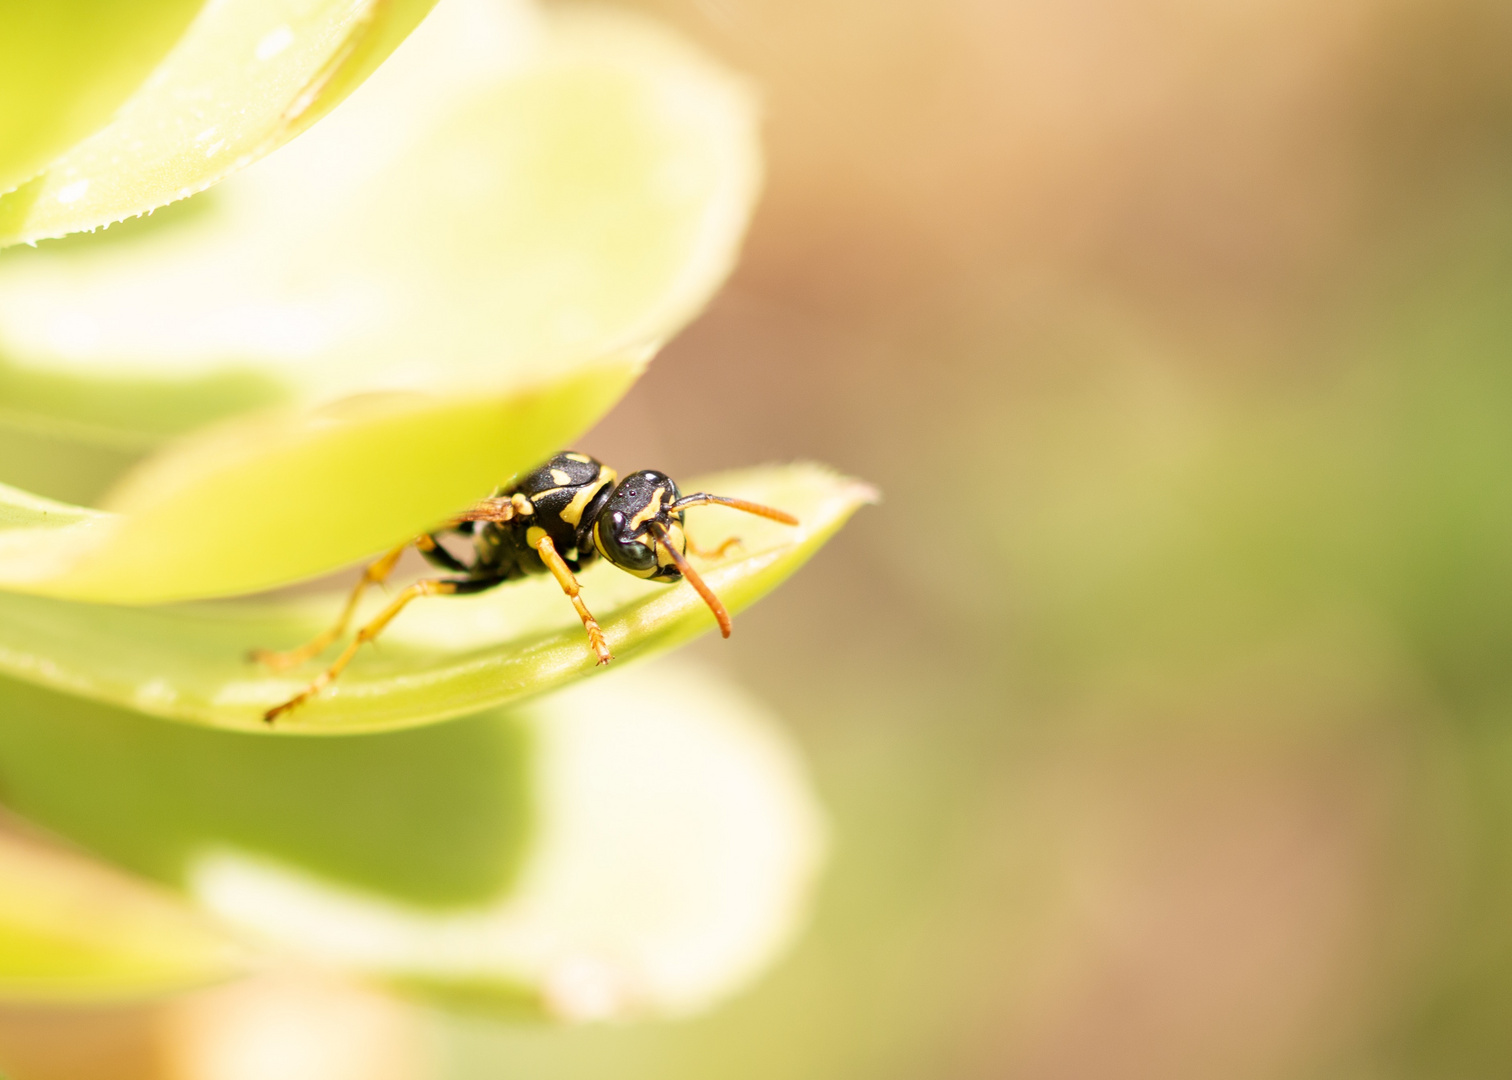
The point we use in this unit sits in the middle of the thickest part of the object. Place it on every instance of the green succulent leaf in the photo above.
(66, 65)
(455, 276)
(283, 496)
(506, 198)
(443, 657)
(246, 77)
(610, 851)
(72, 931)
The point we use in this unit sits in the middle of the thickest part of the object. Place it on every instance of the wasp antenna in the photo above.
(660, 532)
(704, 499)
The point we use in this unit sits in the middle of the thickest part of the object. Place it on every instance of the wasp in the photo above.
(555, 519)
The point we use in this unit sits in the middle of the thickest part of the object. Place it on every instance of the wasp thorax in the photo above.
(563, 497)
(627, 532)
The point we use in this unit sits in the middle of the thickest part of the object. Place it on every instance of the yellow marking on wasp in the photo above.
(562, 477)
(522, 504)
(651, 510)
(584, 458)
(572, 513)
(534, 535)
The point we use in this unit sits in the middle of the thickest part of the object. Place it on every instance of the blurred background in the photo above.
(1162, 708)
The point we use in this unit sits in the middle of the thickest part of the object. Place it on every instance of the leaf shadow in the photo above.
(438, 816)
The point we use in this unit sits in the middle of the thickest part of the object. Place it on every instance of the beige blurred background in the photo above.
(1163, 707)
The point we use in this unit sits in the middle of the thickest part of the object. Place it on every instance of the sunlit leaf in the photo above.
(503, 199)
(427, 286)
(71, 931)
(247, 76)
(614, 850)
(444, 657)
(127, 412)
(280, 497)
(66, 65)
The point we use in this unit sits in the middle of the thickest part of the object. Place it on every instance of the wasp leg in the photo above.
(428, 546)
(424, 587)
(718, 552)
(563, 573)
(376, 573)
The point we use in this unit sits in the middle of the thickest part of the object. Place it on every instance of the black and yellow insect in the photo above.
(557, 518)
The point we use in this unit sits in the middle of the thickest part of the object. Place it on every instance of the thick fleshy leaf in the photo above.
(609, 851)
(443, 657)
(66, 65)
(283, 496)
(72, 931)
(247, 76)
(505, 198)
(435, 286)
(126, 412)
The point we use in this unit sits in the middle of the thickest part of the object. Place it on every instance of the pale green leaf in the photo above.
(66, 65)
(640, 844)
(445, 656)
(74, 932)
(125, 412)
(247, 76)
(430, 283)
(505, 198)
(279, 497)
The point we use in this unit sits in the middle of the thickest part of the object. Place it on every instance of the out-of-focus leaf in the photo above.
(247, 76)
(73, 932)
(501, 200)
(443, 657)
(275, 498)
(116, 410)
(453, 278)
(66, 65)
(74, 472)
(639, 844)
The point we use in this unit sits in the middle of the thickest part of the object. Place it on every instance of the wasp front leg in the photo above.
(569, 583)
(717, 553)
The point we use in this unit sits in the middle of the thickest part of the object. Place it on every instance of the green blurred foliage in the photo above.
(66, 65)
(241, 79)
(367, 812)
(70, 928)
